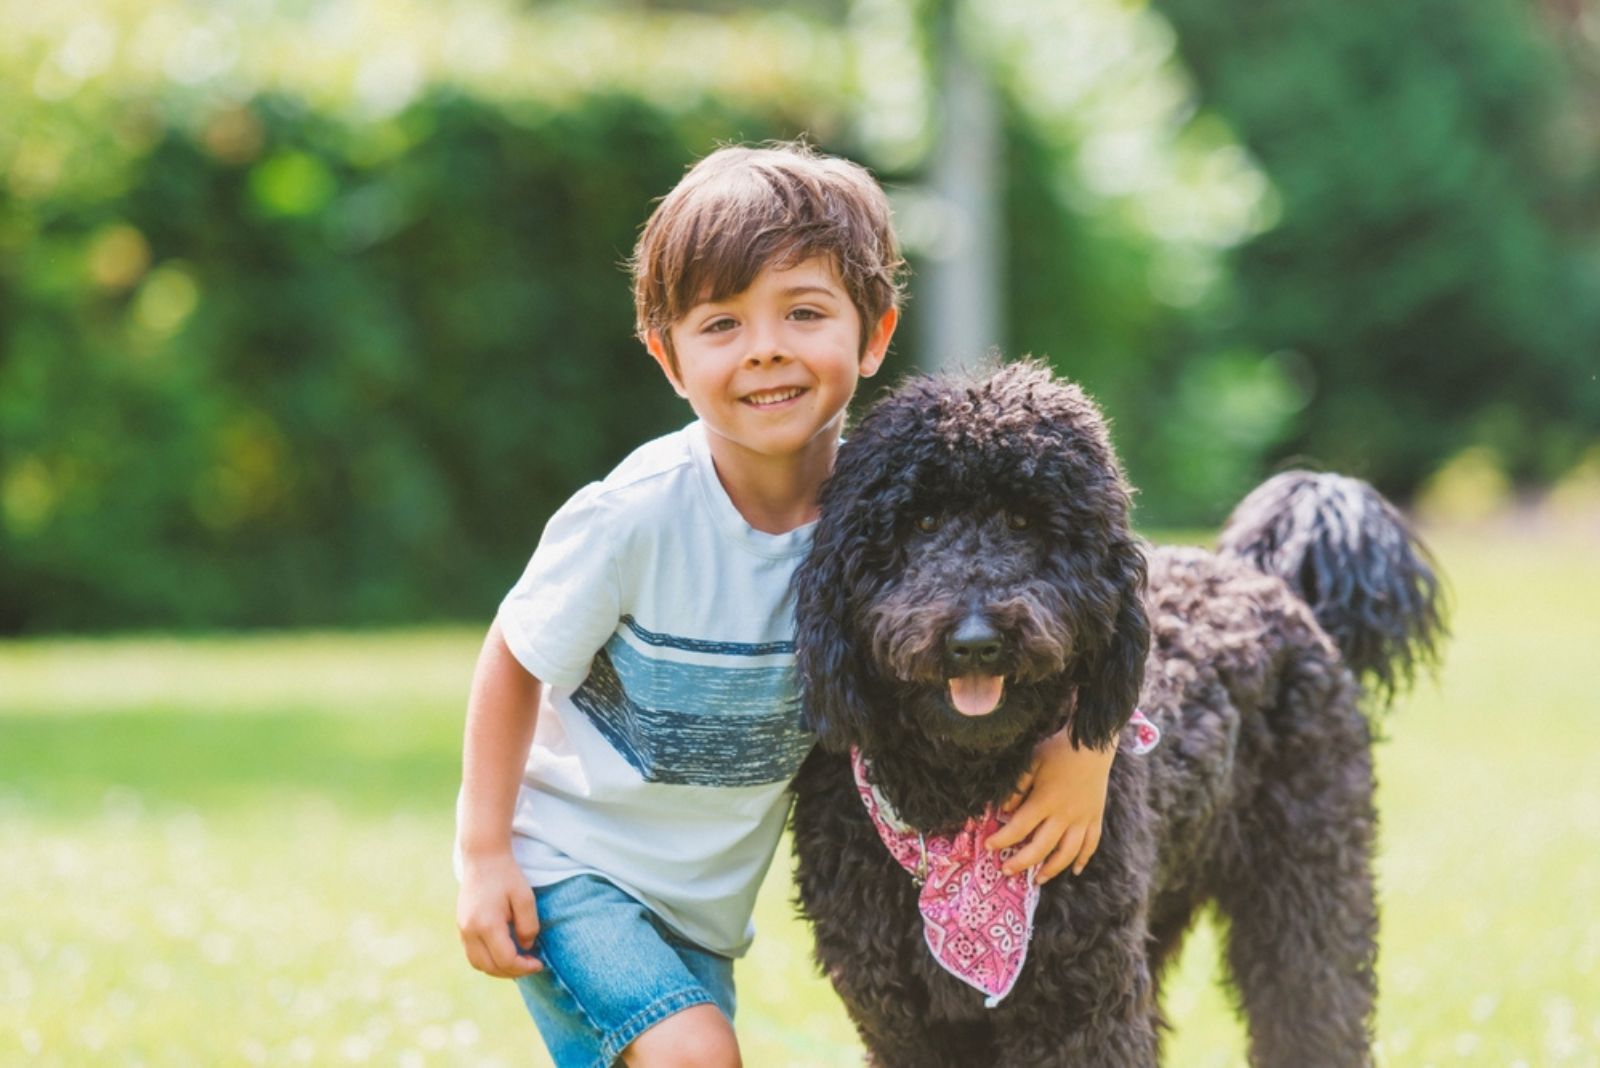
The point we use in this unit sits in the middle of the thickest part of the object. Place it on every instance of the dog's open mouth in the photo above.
(977, 695)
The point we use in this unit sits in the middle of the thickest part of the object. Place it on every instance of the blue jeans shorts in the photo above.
(611, 971)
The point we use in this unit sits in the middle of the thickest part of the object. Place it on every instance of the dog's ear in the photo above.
(832, 702)
(1109, 674)
(849, 551)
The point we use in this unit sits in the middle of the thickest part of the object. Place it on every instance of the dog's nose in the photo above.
(973, 646)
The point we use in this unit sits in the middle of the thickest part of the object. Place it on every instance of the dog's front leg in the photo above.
(899, 1032)
(1085, 997)
(1121, 1040)
(1114, 1028)
(863, 911)
(869, 941)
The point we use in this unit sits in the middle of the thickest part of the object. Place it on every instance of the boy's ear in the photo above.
(656, 345)
(877, 346)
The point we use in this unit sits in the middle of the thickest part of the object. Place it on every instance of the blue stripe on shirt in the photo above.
(719, 737)
(701, 645)
(706, 689)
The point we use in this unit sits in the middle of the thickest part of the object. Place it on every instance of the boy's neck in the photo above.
(774, 494)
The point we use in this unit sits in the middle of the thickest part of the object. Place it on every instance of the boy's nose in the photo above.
(764, 348)
(764, 341)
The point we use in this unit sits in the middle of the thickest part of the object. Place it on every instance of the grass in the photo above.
(236, 851)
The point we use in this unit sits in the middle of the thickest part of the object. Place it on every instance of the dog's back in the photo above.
(1242, 631)
(1263, 657)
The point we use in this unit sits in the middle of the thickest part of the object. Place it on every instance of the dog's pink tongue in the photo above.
(976, 695)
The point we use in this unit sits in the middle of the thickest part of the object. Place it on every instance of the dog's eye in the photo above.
(1017, 521)
(928, 523)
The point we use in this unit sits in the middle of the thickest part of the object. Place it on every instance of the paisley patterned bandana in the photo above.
(976, 920)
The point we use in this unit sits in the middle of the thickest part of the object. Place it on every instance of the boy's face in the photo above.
(771, 370)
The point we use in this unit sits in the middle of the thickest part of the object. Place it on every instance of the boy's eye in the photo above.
(718, 325)
(805, 313)
(928, 523)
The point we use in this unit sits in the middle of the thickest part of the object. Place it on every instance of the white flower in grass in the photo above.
(217, 948)
(92, 1037)
(155, 975)
(356, 1048)
(1561, 1038)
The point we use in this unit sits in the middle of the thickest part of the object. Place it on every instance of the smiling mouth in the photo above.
(977, 695)
(772, 398)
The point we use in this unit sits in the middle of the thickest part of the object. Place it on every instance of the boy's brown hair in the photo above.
(742, 209)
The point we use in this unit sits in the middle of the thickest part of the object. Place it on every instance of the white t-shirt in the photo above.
(663, 628)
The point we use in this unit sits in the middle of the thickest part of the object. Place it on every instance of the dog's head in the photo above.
(972, 577)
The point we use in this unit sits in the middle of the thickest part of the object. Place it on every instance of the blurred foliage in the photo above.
(1122, 199)
(1192, 423)
(1433, 280)
(312, 312)
(273, 367)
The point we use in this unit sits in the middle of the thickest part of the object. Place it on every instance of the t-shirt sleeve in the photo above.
(567, 603)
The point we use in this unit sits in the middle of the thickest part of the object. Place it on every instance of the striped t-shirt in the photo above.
(662, 626)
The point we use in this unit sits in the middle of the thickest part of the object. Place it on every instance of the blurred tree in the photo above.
(1434, 274)
(1117, 198)
(961, 275)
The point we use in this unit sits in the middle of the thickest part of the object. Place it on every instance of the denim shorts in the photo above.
(612, 970)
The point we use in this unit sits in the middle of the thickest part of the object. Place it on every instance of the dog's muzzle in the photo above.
(972, 652)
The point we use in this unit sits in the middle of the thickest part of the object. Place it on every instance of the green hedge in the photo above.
(271, 367)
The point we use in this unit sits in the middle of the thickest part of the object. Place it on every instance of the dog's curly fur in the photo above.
(997, 501)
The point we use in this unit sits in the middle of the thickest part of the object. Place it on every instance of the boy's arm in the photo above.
(494, 896)
(1060, 802)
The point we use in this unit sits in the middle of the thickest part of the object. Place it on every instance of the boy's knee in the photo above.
(698, 1037)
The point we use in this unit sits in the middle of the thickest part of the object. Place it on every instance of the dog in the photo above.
(973, 586)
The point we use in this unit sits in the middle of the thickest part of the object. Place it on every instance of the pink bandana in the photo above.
(1145, 733)
(976, 920)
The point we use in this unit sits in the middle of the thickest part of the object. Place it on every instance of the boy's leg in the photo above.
(701, 1035)
(613, 975)
(698, 1037)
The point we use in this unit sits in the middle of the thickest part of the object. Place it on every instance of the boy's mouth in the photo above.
(772, 398)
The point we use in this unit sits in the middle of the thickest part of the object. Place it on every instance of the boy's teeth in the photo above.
(774, 397)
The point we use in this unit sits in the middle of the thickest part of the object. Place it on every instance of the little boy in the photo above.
(646, 654)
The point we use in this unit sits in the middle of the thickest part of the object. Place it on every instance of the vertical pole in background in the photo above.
(959, 302)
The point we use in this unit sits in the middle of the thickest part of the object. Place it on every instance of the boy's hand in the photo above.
(1058, 808)
(494, 900)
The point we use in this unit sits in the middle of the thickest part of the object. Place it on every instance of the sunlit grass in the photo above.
(236, 851)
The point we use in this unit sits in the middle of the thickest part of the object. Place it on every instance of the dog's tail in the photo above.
(1350, 555)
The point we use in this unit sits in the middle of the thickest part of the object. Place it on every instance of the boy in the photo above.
(646, 654)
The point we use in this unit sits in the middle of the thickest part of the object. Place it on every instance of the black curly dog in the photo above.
(994, 506)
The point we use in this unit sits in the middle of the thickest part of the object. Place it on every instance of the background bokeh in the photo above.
(311, 312)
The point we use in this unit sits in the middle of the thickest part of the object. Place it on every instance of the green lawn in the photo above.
(236, 851)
